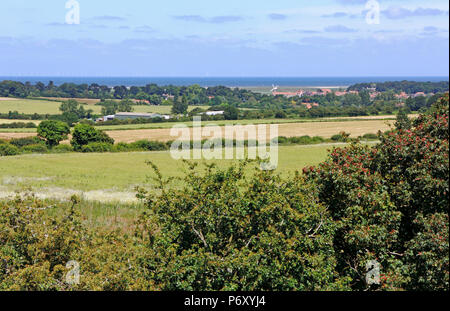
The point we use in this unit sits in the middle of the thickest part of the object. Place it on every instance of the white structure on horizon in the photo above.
(214, 113)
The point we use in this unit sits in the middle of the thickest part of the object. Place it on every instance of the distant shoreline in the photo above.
(231, 82)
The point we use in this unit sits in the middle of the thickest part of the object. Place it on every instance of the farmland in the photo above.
(161, 131)
(45, 106)
(113, 176)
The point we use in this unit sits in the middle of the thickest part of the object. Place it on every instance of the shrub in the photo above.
(63, 148)
(390, 203)
(22, 142)
(18, 125)
(35, 248)
(97, 147)
(123, 147)
(8, 150)
(341, 137)
(38, 148)
(370, 136)
(283, 140)
(224, 231)
(149, 145)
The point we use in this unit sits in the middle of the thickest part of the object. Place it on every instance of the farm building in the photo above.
(135, 115)
(214, 113)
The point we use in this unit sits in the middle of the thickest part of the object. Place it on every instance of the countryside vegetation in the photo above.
(232, 226)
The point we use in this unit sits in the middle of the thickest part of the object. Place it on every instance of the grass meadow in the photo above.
(114, 176)
(43, 106)
(106, 182)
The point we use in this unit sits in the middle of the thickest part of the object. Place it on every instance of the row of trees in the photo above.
(217, 96)
(409, 87)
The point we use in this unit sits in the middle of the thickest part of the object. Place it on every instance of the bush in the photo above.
(149, 145)
(283, 140)
(123, 147)
(22, 142)
(370, 136)
(14, 125)
(38, 148)
(63, 148)
(97, 147)
(8, 150)
(224, 231)
(36, 247)
(390, 203)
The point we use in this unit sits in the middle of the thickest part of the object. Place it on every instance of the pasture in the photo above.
(112, 177)
(30, 106)
(44, 106)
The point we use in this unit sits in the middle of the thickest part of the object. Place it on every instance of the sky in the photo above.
(211, 38)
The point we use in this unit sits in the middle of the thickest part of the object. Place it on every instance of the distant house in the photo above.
(168, 96)
(339, 93)
(298, 93)
(106, 118)
(325, 91)
(402, 95)
(419, 94)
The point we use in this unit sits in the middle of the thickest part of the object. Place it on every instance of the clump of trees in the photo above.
(73, 111)
(110, 107)
(409, 87)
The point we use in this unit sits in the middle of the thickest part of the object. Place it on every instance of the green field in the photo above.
(114, 176)
(30, 106)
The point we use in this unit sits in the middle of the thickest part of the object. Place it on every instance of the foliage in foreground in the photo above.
(390, 203)
(226, 231)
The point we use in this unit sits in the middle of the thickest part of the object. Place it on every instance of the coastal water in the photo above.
(224, 81)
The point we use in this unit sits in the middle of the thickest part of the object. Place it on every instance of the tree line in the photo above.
(409, 87)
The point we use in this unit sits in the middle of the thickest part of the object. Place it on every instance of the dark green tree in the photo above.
(231, 113)
(53, 132)
(85, 134)
(403, 122)
(180, 107)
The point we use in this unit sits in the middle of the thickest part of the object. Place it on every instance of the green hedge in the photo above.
(97, 147)
(8, 150)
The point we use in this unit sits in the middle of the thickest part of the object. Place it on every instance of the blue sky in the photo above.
(224, 38)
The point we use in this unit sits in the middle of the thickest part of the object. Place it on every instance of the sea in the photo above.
(222, 81)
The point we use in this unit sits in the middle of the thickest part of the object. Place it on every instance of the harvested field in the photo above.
(324, 129)
(9, 121)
